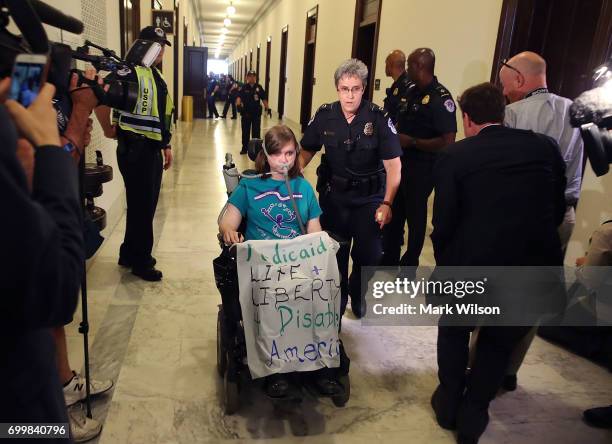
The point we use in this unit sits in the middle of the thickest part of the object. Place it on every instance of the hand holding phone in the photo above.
(29, 74)
(38, 123)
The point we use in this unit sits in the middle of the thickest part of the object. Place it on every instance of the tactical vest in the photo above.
(145, 119)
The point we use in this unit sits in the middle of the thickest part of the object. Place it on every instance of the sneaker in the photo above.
(75, 391)
(82, 428)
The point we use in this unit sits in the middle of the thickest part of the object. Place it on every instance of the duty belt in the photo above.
(365, 186)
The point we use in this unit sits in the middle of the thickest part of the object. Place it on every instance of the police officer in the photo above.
(358, 176)
(232, 91)
(211, 91)
(426, 125)
(142, 136)
(396, 99)
(248, 102)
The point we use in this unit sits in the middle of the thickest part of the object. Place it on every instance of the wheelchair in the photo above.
(231, 345)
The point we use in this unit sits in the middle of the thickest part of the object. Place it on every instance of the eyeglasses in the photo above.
(353, 91)
(505, 63)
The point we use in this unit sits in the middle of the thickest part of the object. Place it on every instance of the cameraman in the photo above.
(42, 256)
(142, 135)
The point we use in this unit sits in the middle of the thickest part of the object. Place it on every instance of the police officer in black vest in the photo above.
(212, 88)
(396, 99)
(426, 125)
(232, 91)
(249, 99)
(358, 176)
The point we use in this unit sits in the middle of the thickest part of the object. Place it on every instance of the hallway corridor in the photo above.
(157, 341)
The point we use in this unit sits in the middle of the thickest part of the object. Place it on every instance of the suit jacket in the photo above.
(41, 267)
(499, 198)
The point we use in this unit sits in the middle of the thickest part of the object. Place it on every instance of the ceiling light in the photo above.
(227, 21)
(224, 30)
(231, 10)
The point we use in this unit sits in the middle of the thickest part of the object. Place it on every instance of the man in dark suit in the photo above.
(499, 200)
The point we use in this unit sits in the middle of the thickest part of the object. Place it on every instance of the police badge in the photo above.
(425, 100)
(368, 129)
(395, 91)
(255, 97)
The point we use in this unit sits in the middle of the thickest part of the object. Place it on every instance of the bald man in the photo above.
(533, 107)
(426, 125)
(396, 100)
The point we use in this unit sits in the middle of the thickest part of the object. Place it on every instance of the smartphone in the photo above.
(29, 75)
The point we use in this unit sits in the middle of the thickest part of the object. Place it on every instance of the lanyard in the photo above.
(537, 91)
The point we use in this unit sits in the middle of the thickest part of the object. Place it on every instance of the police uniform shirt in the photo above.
(356, 147)
(250, 95)
(212, 84)
(397, 96)
(129, 75)
(429, 113)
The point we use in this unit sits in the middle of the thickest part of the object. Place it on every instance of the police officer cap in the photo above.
(251, 72)
(154, 34)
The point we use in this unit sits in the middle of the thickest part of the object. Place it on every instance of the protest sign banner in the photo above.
(290, 300)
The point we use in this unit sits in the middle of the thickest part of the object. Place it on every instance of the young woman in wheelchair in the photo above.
(270, 214)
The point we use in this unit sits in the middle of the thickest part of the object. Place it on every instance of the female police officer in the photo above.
(358, 176)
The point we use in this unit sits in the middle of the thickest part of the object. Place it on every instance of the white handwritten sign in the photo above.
(290, 299)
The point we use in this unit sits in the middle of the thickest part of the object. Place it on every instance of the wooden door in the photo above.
(194, 77)
(310, 43)
(282, 75)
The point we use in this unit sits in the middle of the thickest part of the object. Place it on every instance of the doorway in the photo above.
(282, 75)
(308, 79)
(194, 83)
(175, 44)
(267, 85)
(251, 60)
(258, 56)
(573, 36)
(129, 22)
(365, 38)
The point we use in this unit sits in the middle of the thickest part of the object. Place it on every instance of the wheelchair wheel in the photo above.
(341, 400)
(221, 347)
(231, 394)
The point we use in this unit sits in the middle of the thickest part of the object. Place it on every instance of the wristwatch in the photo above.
(387, 203)
(69, 147)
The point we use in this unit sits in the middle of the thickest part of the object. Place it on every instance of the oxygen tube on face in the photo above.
(285, 167)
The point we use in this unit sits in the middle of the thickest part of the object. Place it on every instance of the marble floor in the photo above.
(157, 341)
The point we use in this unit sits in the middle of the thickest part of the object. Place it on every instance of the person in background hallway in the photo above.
(426, 125)
(142, 137)
(533, 107)
(493, 173)
(396, 100)
(211, 91)
(248, 101)
(358, 176)
(232, 90)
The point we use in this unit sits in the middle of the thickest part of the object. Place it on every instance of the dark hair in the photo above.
(275, 139)
(483, 103)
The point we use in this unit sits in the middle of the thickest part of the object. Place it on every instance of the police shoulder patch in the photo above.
(124, 71)
(449, 104)
(391, 126)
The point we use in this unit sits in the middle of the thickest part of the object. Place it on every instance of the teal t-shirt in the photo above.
(268, 208)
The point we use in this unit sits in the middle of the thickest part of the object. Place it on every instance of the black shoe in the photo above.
(223, 116)
(148, 273)
(444, 423)
(463, 439)
(277, 386)
(128, 263)
(509, 383)
(599, 417)
(234, 118)
(243, 151)
(328, 386)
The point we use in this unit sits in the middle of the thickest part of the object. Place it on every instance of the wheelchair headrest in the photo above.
(255, 146)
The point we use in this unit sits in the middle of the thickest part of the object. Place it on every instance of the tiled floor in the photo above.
(157, 340)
